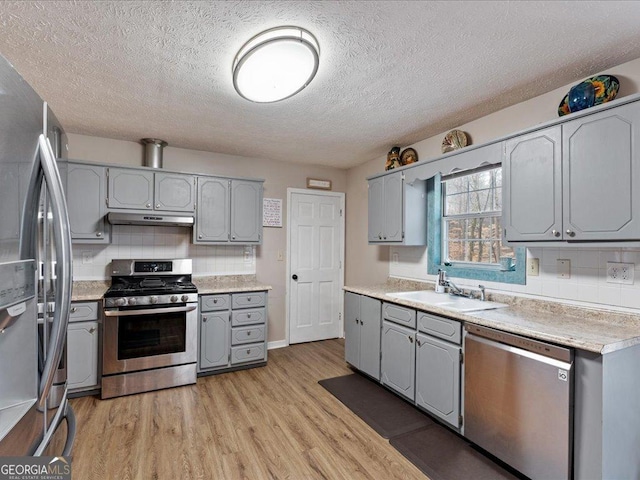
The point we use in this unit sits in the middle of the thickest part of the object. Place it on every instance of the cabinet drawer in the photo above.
(401, 315)
(83, 311)
(243, 335)
(210, 303)
(248, 317)
(440, 327)
(248, 353)
(249, 299)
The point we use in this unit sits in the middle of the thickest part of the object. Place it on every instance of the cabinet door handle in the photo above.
(98, 234)
(418, 342)
(158, 205)
(148, 205)
(361, 322)
(379, 236)
(357, 321)
(571, 233)
(204, 319)
(555, 233)
(92, 329)
(233, 237)
(200, 236)
(410, 339)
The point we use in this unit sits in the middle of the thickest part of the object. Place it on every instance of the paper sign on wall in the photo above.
(272, 212)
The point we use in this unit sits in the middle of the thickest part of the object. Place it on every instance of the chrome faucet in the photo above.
(460, 292)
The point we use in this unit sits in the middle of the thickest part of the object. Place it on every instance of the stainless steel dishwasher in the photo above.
(518, 397)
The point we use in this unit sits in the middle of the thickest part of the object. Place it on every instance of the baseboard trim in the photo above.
(277, 344)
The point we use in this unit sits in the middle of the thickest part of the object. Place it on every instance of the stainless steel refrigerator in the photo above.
(35, 275)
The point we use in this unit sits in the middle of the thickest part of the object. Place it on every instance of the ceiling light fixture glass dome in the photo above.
(276, 64)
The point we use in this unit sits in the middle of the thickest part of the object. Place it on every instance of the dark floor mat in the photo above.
(383, 411)
(443, 455)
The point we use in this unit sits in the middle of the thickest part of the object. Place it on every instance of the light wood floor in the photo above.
(269, 422)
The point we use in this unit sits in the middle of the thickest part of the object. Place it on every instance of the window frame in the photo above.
(483, 272)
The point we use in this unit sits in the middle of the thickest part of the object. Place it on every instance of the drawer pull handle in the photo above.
(74, 309)
(248, 299)
(215, 300)
(248, 315)
(248, 352)
(248, 334)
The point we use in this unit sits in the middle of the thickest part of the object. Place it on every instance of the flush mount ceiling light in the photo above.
(276, 64)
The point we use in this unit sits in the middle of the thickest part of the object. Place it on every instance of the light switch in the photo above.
(564, 268)
(533, 267)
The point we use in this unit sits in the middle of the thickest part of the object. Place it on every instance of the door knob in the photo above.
(571, 233)
(294, 276)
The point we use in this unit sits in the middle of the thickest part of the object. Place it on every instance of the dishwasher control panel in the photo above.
(536, 346)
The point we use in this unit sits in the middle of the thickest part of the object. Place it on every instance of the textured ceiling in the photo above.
(390, 72)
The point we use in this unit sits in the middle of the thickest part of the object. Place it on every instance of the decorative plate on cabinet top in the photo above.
(454, 140)
(408, 156)
(606, 88)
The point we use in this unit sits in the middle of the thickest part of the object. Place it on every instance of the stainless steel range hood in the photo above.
(120, 218)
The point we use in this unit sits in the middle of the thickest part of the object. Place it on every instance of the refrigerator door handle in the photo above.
(62, 239)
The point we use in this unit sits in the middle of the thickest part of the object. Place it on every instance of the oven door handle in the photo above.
(148, 311)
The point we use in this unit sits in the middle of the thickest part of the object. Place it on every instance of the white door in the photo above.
(316, 253)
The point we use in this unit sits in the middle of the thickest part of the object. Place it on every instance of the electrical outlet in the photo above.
(620, 273)
(247, 255)
(394, 257)
(564, 268)
(87, 258)
(533, 267)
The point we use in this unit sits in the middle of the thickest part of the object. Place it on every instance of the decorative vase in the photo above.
(581, 96)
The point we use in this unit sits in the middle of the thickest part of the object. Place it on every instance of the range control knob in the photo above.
(132, 301)
(153, 299)
(185, 298)
(174, 298)
(119, 302)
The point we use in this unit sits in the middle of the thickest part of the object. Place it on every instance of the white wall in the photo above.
(208, 260)
(587, 284)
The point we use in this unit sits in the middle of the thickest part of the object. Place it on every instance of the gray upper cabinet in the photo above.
(601, 175)
(246, 211)
(577, 181)
(86, 194)
(135, 189)
(228, 211)
(398, 363)
(174, 192)
(362, 333)
(213, 211)
(131, 189)
(532, 186)
(397, 211)
(438, 378)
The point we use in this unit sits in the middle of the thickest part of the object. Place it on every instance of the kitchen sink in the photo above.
(446, 301)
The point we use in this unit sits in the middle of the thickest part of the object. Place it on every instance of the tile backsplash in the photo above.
(587, 284)
(91, 262)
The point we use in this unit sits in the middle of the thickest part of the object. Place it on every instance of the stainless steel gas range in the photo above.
(150, 327)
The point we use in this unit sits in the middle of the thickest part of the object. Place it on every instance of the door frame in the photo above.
(307, 191)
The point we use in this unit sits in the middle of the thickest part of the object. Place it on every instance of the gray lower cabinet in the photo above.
(83, 346)
(438, 378)
(86, 194)
(362, 333)
(578, 181)
(215, 329)
(397, 370)
(228, 211)
(233, 330)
